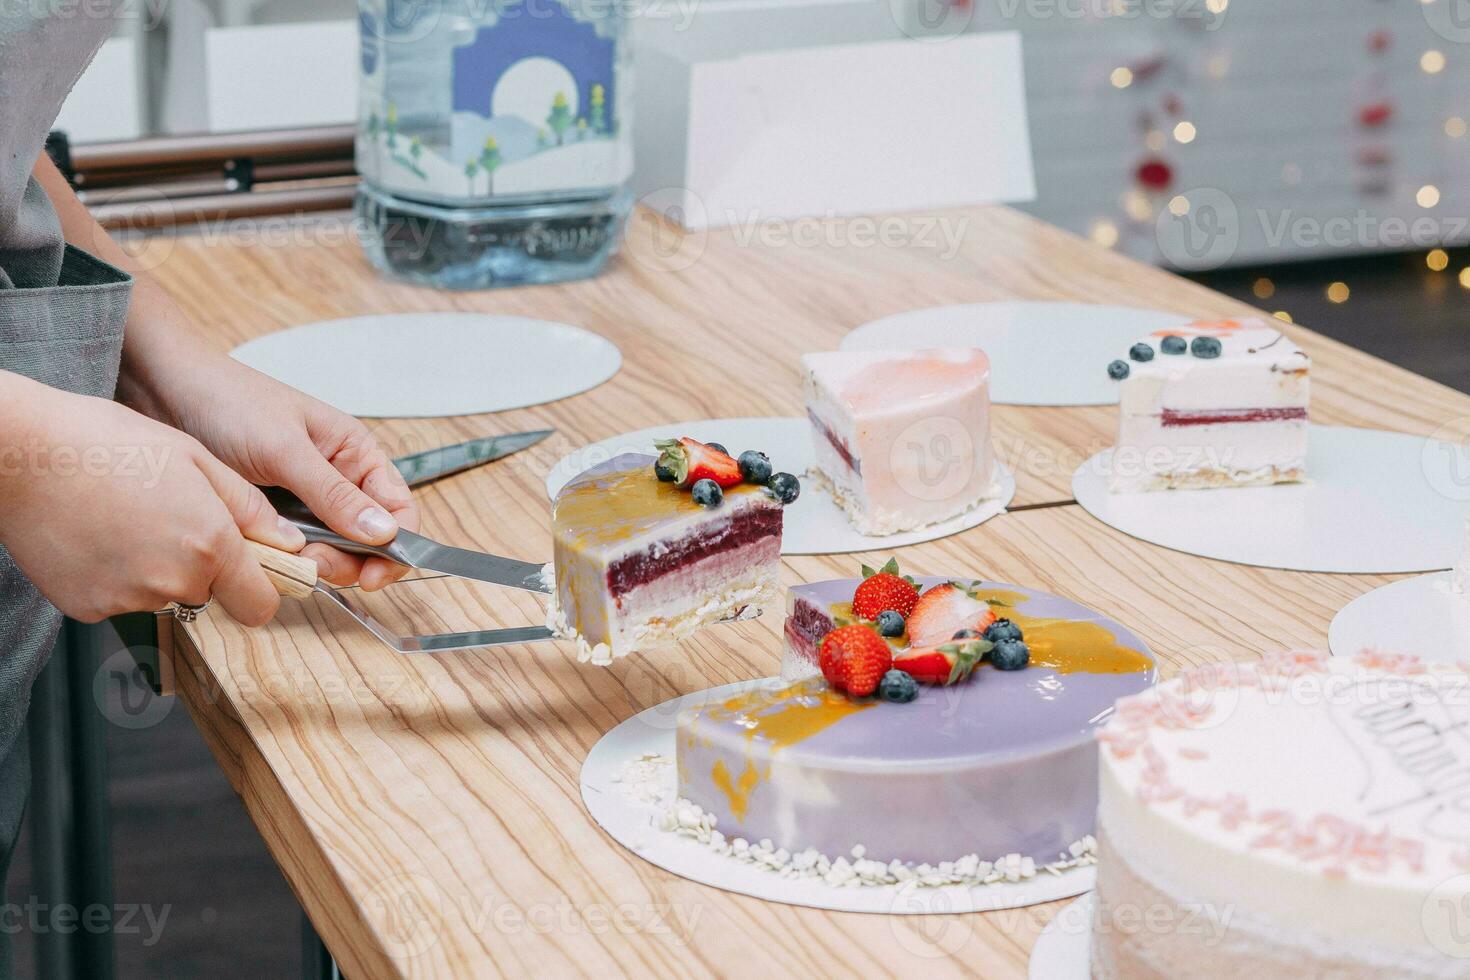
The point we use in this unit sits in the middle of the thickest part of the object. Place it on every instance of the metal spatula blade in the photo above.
(295, 577)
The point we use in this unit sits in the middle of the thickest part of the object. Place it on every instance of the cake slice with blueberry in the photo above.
(1211, 404)
(901, 438)
(648, 549)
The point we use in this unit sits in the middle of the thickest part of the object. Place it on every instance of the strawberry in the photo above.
(884, 588)
(854, 659)
(690, 461)
(944, 610)
(948, 663)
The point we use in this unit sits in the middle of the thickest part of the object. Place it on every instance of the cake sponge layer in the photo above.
(638, 564)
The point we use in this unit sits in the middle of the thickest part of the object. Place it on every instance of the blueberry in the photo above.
(1173, 344)
(966, 635)
(785, 486)
(1206, 347)
(755, 467)
(1002, 629)
(890, 623)
(1010, 655)
(898, 687)
(662, 471)
(1141, 352)
(707, 493)
(718, 448)
(1118, 370)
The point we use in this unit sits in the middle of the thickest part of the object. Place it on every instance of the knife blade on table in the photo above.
(431, 464)
(414, 550)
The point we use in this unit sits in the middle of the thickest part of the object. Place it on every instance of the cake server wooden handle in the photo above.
(292, 575)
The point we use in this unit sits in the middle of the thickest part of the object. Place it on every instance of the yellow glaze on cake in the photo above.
(778, 719)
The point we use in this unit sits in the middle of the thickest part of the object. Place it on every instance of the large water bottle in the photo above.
(494, 139)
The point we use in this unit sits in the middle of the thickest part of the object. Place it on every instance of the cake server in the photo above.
(431, 464)
(414, 550)
(295, 577)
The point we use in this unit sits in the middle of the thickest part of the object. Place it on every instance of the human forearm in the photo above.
(157, 341)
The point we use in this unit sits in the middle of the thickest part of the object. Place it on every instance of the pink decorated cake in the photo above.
(1305, 816)
(946, 724)
(902, 438)
(648, 549)
(1211, 404)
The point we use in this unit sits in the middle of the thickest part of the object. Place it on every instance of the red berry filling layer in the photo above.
(837, 444)
(631, 571)
(1170, 418)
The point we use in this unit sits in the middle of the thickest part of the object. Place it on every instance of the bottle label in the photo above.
(526, 100)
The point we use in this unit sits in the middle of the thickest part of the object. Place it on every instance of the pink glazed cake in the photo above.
(901, 438)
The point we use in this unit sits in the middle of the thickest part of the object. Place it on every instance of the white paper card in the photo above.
(282, 75)
(848, 129)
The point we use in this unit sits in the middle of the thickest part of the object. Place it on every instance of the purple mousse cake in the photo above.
(1001, 762)
(638, 563)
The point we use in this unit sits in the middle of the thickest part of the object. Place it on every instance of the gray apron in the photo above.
(61, 323)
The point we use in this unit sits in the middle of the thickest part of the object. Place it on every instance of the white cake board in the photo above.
(1040, 353)
(1064, 949)
(814, 525)
(1422, 616)
(629, 822)
(1372, 503)
(419, 365)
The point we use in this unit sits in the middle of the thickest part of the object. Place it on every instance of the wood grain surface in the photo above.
(426, 809)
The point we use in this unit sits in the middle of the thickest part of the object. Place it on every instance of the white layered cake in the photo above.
(1306, 816)
(902, 438)
(1211, 404)
(639, 563)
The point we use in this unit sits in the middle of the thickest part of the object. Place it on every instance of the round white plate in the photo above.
(1421, 616)
(1373, 502)
(1040, 353)
(1064, 949)
(629, 821)
(814, 525)
(417, 365)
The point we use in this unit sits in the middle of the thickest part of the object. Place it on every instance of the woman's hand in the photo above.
(108, 511)
(269, 432)
(274, 435)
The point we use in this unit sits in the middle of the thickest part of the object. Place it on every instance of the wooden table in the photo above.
(426, 810)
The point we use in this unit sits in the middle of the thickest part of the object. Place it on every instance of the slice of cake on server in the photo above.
(1211, 404)
(647, 550)
(901, 438)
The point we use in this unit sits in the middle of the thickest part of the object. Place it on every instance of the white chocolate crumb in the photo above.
(648, 779)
